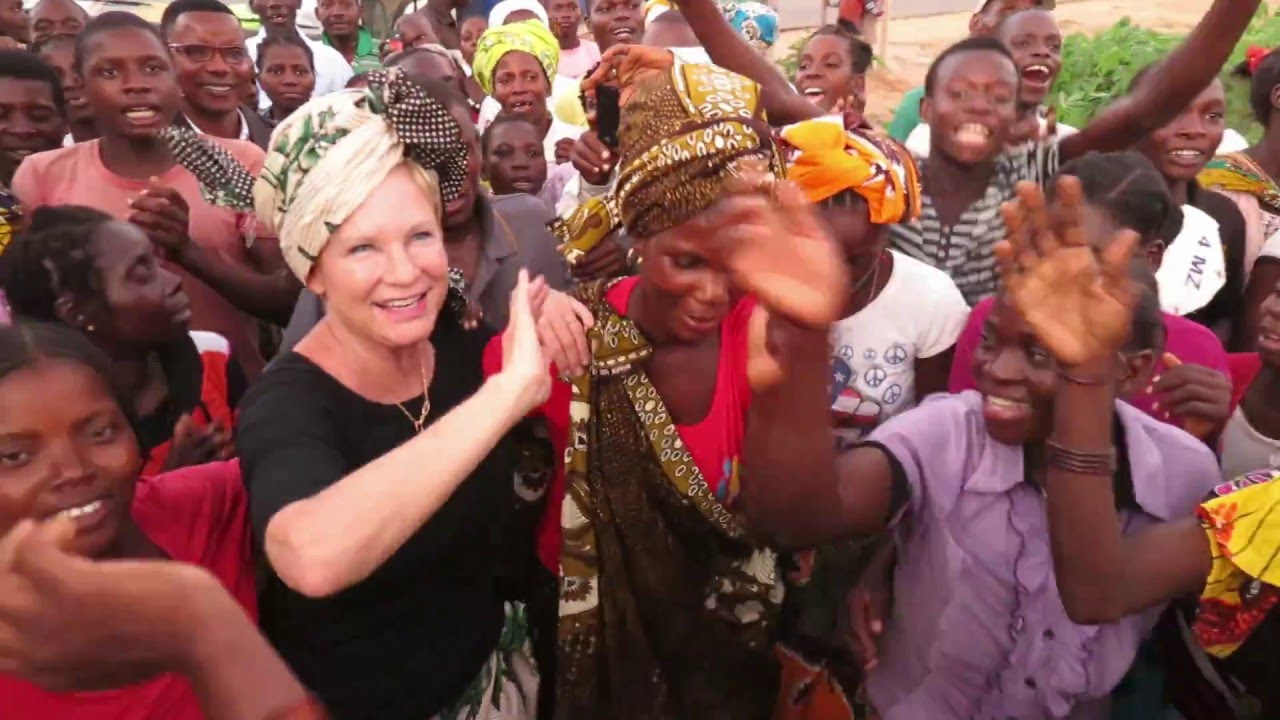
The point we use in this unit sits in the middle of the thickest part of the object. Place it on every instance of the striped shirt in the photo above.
(965, 250)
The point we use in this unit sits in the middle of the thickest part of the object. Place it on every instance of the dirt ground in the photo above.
(914, 42)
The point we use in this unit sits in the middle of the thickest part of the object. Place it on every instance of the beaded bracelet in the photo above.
(1081, 462)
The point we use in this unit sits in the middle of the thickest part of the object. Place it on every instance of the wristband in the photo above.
(1081, 462)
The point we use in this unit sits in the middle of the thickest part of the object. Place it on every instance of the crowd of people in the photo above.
(561, 361)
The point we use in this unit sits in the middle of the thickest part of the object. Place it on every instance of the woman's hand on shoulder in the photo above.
(562, 324)
(524, 366)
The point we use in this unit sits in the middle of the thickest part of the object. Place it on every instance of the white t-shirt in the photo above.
(332, 70)
(918, 314)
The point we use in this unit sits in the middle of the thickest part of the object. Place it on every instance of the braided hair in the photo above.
(1131, 190)
(53, 257)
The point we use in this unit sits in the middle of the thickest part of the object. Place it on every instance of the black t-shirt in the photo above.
(408, 639)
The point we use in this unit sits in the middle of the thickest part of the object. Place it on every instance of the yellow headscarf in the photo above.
(824, 159)
(530, 36)
(686, 129)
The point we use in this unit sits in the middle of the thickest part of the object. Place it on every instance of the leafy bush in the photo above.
(1097, 69)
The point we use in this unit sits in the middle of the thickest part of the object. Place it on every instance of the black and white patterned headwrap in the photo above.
(327, 157)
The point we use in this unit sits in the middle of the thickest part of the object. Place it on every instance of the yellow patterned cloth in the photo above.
(668, 607)
(530, 36)
(1242, 522)
(685, 130)
(824, 159)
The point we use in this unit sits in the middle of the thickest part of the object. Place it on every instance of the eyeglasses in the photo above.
(231, 54)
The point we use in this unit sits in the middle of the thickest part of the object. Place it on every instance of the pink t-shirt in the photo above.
(577, 62)
(1190, 342)
(76, 176)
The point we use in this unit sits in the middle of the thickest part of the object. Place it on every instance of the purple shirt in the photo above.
(978, 629)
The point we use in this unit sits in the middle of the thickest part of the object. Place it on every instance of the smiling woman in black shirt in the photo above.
(373, 452)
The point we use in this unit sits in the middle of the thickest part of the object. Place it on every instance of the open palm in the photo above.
(1077, 300)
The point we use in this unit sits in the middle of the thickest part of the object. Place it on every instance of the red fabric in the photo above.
(1244, 368)
(197, 515)
(1191, 343)
(214, 406)
(715, 442)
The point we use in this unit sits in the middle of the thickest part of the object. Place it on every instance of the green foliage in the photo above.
(1096, 70)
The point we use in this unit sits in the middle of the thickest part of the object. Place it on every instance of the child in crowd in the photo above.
(577, 56)
(514, 161)
(287, 73)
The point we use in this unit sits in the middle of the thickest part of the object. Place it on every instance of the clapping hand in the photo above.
(522, 358)
(1078, 302)
(164, 215)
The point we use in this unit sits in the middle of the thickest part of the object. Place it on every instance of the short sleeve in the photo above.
(944, 319)
(199, 515)
(929, 447)
(907, 116)
(288, 440)
(27, 185)
(918, 141)
(970, 337)
(1270, 248)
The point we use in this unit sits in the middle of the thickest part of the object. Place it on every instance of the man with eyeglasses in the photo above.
(211, 61)
(51, 18)
(280, 17)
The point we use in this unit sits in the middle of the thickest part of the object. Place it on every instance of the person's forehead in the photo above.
(206, 23)
(25, 91)
(52, 9)
(123, 43)
(969, 63)
(1028, 21)
(514, 132)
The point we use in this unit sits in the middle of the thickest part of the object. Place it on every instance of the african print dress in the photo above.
(1236, 623)
(667, 608)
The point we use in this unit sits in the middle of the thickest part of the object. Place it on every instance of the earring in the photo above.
(88, 328)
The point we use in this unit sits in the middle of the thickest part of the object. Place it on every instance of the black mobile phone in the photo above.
(608, 115)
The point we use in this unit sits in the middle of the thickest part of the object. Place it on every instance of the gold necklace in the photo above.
(421, 421)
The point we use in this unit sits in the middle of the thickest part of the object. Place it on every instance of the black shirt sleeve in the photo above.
(288, 439)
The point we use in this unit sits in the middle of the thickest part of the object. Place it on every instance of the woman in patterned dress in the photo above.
(669, 599)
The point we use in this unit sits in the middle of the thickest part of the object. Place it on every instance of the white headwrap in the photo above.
(500, 12)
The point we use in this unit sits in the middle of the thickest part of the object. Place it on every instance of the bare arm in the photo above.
(383, 503)
(1170, 86)
(728, 50)
(267, 291)
(794, 487)
(1103, 575)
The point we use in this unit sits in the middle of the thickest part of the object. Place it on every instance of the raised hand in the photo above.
(1078, 302)
(769, 239)
(624, 65)
(522, 358)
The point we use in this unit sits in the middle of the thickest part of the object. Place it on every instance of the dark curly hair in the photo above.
(53, 256)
